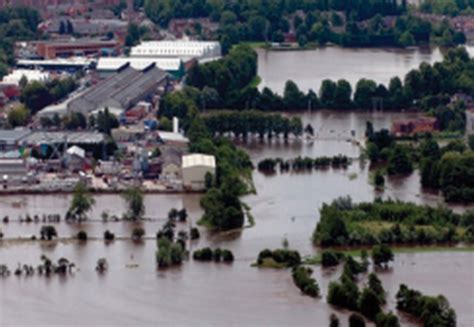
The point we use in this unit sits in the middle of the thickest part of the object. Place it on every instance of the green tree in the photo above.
(381, 255)
(369, 304)
(18, 116)
(356, 320)
(81, 203)
(134, 198)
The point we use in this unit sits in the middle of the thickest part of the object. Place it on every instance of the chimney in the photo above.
(175, 125)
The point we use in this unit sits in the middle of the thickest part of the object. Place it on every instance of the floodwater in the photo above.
(308, 68)
(285, 206)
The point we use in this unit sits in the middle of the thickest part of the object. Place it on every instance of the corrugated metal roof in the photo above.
(60, 137)
(198, 159)
(114, 63)
(11, 136)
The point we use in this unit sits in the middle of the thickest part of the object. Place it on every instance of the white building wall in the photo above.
(194, 177)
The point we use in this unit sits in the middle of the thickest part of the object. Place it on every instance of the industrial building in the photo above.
(31, 75)
(75, 47)
(122, 90)
(186, 50)
(59, 64)
(171, 168)
(110, 65)
(11, 139)
(194, 169)
(118, 93)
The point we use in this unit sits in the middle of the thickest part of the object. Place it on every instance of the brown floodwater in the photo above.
(308, 68)
(285, 206)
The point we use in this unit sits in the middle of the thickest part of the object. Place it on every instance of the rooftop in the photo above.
(114, 63)
(11, 136)
(60, 137)
(197, 159)
(121, 90)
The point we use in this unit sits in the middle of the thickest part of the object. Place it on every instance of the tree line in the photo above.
(297, 164)
(448, 168)
(343, 223)
(429, 87)
(16, 24)
(246, 123)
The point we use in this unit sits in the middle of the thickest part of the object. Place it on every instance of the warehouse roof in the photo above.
(114, 63)
(122, 90)
(11, 136)
(61, 137)
(197, 159)
(178, 48)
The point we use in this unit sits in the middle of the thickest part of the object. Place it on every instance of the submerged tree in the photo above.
(82, 202)
(134, 198)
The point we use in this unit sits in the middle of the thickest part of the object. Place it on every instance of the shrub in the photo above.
(82, 236)
(369, 304)
(109, 236)
(381, 255)
(194, 233)
(356, 320)
(387, 320)
(331, 258)
(227, 256)
(217, 255)
(303, 280)
(263, 255)
(433, 311)
(138, 233)
(48, 232)
(204, 254)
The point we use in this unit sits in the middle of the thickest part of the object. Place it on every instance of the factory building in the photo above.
(118, 93)
(194, 169)
(186, 50)
(75, 47)
(110, 65)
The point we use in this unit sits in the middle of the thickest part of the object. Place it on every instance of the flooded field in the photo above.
(285, 206)
(309, 68)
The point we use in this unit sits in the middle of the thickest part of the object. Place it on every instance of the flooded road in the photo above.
(308, 68)
(285, 206)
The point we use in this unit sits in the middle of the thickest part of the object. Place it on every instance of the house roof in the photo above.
(171, 156)
(197, 159)
(75, 150)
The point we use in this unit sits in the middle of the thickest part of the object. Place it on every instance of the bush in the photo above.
(217, 255)
(369, 304)
(204, 254)
(227, 256)
(381, 255)
(387, 320)
(331, 258)
(48, 232)
(267, 253)
(303, 280)
(433, 311)
(138, 233)
(356, 320)
(109, 236)
(194, 233)
(82, 236)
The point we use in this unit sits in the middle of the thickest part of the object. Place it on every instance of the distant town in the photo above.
(122, 89)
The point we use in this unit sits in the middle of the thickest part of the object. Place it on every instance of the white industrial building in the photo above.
(31, 75)
(183, 49)
(194, 168)
(108, 65)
